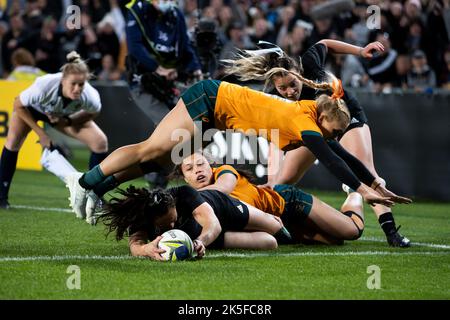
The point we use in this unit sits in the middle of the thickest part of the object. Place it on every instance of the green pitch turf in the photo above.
(41, 242)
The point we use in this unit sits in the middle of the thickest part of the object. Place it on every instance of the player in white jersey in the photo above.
(68, 103)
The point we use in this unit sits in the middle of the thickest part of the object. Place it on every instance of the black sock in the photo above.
(283, 236)
(387, 223)
(7, 168)
(96, 158)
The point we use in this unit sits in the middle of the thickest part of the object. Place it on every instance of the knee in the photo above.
(355, 228)
(269, 243)
(14, 142)
(99, 144)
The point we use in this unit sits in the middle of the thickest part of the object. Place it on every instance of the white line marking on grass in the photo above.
(320, 254)
(421, 244)
(40, 208)
(231, 255)
(59, 258)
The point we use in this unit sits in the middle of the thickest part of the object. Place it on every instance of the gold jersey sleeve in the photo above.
(264, 199)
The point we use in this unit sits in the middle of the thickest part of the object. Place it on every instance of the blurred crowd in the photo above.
(413, 32)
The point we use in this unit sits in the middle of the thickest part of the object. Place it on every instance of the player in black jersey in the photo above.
(211, 218)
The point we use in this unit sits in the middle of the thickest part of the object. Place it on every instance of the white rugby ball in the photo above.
(178, 245)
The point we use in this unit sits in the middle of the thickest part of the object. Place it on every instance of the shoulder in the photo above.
(49, 80)
(91, 95)
(182, 192)
(309, 105)
(223, 170)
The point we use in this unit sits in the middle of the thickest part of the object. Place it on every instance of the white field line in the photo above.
(231, 255)
(41, 208)
(421, 244)
(372, 239)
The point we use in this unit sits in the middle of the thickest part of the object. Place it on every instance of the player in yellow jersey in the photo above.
(216, 104)
(306, 217)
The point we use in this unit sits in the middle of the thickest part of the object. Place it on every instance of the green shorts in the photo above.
(298, 203)
(200, 100)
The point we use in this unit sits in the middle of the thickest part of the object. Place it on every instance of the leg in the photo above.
(249, 240)
(261, 221)
(295, 164)
(92, 136)
(336, 224)
(156, 148)
(358, 141)
(17, 133)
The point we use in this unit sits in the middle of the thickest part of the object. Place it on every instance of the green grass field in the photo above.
(40, 239)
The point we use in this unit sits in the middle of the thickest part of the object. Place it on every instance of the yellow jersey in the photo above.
(264, 199)
(257, 113)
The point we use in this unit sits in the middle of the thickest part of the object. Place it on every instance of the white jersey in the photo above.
(45, 96)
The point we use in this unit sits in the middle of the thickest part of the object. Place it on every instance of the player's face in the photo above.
(288, 86)
(73, 84)
(196, 171)
(330, 128)
(167, 221)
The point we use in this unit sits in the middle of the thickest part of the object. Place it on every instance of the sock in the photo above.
(8, 164)
(283, 236)
(387, 223)
(92, 178)
(96, 158)
(106, 185)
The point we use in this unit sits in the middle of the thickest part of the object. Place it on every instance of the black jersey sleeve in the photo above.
(187, 197)
(313, 61)
(337, 166)
(357, 166)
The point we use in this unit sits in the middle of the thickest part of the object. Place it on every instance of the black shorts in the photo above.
(232, 214)
(358, 116)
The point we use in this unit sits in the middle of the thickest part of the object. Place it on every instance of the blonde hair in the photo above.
(334, 106)
(75, 65)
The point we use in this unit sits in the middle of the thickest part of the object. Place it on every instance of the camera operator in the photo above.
(160, 52)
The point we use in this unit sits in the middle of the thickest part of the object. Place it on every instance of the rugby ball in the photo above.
(178, 245)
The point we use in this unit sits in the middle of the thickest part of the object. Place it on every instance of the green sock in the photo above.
(283, 236)
(92, 178)
(106, 185)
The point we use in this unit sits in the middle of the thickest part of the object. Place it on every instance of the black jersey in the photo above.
(232, 214)
(313, 62)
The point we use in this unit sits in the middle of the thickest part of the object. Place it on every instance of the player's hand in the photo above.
(152, 250)
(387, 193)
(367, 51)
(199, 247)
(374, 198)
(45, 141)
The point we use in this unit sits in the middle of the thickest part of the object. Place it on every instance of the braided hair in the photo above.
(137, 208)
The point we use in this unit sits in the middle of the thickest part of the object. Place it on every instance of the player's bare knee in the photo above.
(270, 243)
(100, 145)
(356, 228)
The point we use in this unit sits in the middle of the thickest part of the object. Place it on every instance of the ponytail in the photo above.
(75, 65)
